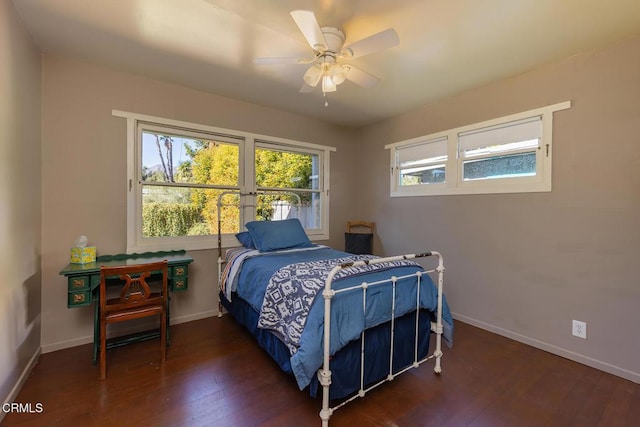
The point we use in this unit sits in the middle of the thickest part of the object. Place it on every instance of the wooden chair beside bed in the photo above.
(323, 314)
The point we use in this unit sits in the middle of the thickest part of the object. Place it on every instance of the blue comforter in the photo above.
(255, 269)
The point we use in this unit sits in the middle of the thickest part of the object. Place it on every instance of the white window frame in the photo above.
(454, 184)
(247, 144)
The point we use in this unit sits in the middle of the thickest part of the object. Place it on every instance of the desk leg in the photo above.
(96, 326)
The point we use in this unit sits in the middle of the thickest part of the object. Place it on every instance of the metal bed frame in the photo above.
(324, 373)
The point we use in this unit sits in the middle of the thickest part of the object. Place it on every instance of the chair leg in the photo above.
(168, 316)
(163, 336)
(103, 350)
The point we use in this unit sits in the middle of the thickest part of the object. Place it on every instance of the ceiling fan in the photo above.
(329, 69)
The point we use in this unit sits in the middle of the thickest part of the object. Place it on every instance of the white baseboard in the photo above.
(192, 317)
(23, 377)
(48, 348)
(576, 357)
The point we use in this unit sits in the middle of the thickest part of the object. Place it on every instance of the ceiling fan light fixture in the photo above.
(312, 75)
(327, 84)
(338, 74)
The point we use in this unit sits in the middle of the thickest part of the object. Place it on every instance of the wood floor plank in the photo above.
(216, 374)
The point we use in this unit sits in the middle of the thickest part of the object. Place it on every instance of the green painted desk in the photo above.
(83, 286)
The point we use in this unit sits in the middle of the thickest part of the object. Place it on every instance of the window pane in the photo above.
(515, 165)
(287, 169)
(423, 175)
(179, 211)
(305, 207)
(423, 162)
(173, 158)
(507, 150)
(277, 168)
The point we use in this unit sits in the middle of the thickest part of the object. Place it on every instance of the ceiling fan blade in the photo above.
(360, 77)
(308, 24)
(374, 43)
(276, 61)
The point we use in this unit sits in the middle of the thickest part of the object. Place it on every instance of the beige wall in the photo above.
(19, 199)
(525, 265)
(84, 175)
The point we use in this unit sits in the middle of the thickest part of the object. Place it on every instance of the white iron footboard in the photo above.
(324, 374)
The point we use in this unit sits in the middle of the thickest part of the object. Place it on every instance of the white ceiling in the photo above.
(446, 46)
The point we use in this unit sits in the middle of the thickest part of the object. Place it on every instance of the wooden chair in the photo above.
(135, 301)
(359, 243)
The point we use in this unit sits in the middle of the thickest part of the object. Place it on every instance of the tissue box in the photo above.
(83, 255)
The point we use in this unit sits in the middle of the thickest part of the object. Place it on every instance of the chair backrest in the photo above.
(134, 289)
(359, 243)
(353, 224)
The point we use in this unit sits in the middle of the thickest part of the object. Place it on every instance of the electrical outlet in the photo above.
(580, 329)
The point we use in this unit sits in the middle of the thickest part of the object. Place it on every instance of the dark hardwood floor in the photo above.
(216, 374)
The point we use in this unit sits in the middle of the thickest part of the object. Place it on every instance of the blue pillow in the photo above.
(245, 238)
(273, 235)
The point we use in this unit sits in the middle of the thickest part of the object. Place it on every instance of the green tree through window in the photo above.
(190, 209)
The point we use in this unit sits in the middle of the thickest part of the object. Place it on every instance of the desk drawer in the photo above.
(79, 299)
(178, 276)
(179, 284)
(179, 271)
(78, 283)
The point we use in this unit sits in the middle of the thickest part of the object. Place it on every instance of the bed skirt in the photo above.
(346, 363)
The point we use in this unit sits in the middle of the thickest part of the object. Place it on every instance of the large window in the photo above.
(506, 155)
(186, 181)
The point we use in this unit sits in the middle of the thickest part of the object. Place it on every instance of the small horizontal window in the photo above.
(506, 155)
